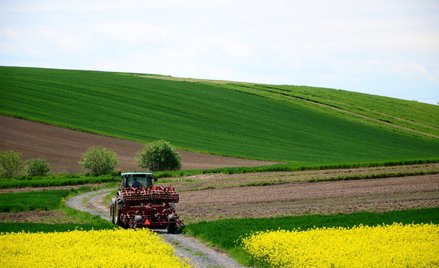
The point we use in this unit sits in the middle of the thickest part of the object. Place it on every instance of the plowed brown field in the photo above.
(63, 147)
(298, 198)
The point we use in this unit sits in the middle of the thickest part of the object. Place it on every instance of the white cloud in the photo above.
(62, 41)
(356, 45)
(406, 69)
(131, 33)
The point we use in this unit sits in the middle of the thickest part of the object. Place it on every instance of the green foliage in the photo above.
(36, 167)
(99, 160)
(10, 164)
(220, 118)
(225, 234)
(159, 155)
(26, 201)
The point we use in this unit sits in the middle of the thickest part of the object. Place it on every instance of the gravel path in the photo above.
(92, 203)
(198, 254)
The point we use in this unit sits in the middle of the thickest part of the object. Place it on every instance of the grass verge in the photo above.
(53, 180)
(342, 178)
(290, 167)
(225, 234)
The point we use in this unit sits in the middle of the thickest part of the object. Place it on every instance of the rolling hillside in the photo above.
(283, 123)
(409, 117)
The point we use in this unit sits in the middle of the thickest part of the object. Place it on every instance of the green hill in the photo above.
(410, 117)
(296, 124)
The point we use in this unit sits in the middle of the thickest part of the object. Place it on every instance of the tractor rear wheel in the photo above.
(112, 214)
(172, 227)
(116, 215)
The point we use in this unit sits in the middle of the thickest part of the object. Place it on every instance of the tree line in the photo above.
(158, 155)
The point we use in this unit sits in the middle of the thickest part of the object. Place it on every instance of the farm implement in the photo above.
(139, 203)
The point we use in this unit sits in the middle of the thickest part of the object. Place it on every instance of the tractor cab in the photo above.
(137, 179)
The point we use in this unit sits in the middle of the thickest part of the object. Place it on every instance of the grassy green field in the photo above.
(26, 201)
(48, 200)
(225, 234)
(203, 117)
(403, 116)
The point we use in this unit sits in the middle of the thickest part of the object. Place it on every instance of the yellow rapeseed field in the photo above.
(393, 245)
(106, 248)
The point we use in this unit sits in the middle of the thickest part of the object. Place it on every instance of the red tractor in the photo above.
(140, 204)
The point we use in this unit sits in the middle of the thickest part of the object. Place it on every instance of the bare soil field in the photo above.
(63, 147)
(298, 198)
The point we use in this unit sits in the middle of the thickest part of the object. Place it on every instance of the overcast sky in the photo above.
(381, 47)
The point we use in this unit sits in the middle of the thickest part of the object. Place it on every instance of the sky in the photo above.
(385, 47)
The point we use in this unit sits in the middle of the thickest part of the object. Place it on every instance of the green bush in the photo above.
(10, 164)
(36, 167)
(99, 160)
(159, 155)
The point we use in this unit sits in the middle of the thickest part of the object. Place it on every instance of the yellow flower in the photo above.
(395, 245)
(105, 248)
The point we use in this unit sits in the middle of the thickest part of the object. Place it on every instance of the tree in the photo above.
(99, 160)
(159, 155)
(36, 167)
(10, 164)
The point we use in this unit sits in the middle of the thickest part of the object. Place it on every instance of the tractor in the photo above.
(139, 203)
